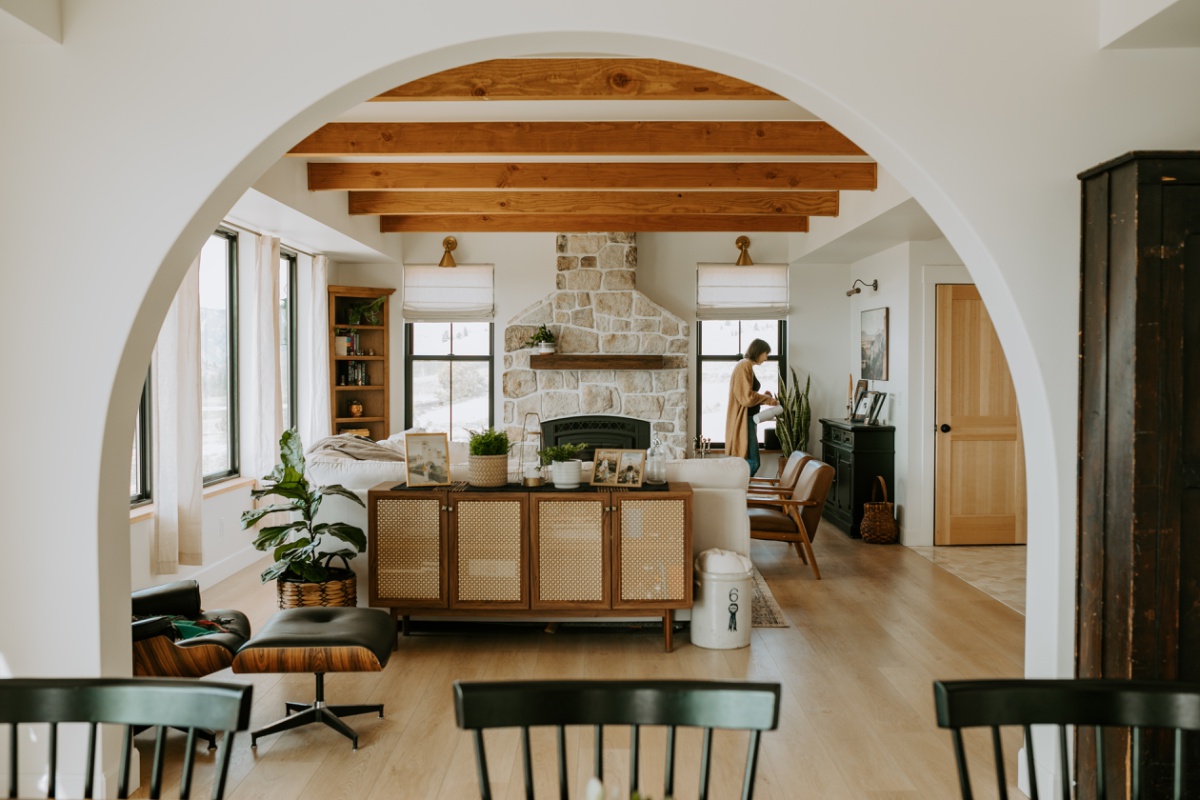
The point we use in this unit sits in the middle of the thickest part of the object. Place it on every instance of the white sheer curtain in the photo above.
(315, 420)
(261, 385)
(178, 479)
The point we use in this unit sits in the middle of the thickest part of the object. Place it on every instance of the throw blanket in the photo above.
(359, 448)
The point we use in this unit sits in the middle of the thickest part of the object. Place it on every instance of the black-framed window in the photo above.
(139, 471)
(287, 338)
(448, 369)
(720, 344)
(218, 356)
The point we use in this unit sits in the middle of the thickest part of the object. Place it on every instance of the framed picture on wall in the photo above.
(428, 459)
(874, 343)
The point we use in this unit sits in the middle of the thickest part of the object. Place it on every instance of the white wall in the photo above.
(986, 113)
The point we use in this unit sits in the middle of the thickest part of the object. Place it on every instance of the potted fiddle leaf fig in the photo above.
(302, 570)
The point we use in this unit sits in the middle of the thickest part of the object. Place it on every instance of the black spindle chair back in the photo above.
(1141, 707)
(135, 703)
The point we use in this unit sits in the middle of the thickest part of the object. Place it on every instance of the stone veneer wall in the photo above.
(596, 309)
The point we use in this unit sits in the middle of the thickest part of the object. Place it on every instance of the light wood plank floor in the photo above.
(856, 665)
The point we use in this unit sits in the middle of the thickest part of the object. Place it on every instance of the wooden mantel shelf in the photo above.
(595, 361)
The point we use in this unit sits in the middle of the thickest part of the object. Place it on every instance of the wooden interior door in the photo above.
(979, 491)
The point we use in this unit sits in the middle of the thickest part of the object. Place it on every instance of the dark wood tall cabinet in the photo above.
(857, 454)
(1138, 610)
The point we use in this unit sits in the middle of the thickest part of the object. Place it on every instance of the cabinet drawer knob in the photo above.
(945, 428)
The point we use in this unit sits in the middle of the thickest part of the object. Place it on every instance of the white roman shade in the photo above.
(438, 294)
(727, 291)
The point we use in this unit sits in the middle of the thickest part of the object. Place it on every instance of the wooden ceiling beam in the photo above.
(590, 223)
(355, 176)
(661, 137)
(644, 202)
(577, 79)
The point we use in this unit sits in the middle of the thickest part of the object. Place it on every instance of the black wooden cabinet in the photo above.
(857, 454)
(1138, 610)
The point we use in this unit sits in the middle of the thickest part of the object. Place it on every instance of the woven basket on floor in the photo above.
(878, 524)
(341, 590)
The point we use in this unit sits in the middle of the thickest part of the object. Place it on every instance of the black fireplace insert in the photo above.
(599, 431)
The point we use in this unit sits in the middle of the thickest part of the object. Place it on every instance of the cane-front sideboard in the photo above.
(535, 553)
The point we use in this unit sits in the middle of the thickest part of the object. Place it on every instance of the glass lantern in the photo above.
(656, 462)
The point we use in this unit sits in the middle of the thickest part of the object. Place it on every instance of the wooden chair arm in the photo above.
(765, 480)
(762, 501)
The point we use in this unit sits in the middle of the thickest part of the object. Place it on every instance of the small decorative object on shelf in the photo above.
(542, 339)
(356, 408)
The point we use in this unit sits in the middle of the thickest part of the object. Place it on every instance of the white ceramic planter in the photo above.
(567, 474)
(545, 347)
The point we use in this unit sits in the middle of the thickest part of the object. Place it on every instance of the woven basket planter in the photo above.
(340, 590)
(487, 471)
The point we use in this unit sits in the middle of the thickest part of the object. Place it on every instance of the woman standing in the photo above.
(741, 432)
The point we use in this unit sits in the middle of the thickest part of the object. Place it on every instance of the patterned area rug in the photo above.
(764, 611)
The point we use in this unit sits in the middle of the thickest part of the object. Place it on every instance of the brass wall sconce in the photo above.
(743, 244)
(449, 243)
(856, 289)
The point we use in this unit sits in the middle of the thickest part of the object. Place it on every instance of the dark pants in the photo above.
(752, 442)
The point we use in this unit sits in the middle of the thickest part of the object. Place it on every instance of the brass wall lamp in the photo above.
(449, 244)
(856, 289)
(743, 244)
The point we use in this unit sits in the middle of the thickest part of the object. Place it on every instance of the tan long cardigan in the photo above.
(741, 397)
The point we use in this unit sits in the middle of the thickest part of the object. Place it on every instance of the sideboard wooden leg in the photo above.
(404, 630)
(668, 627)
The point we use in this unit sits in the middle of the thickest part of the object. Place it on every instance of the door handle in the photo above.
(945, 428)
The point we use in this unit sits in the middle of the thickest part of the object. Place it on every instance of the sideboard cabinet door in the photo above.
(407, 553)
(569, 551)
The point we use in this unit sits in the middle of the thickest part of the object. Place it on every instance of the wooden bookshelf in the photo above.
(366, 360)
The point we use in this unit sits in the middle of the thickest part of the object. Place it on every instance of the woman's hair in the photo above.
(756, 349)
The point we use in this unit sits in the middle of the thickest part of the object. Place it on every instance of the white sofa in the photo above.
(718, 501)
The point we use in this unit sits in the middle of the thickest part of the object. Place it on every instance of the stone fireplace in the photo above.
(596, 312)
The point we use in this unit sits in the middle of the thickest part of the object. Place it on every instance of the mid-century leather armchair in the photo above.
(786, 481)
(158, 651)
(795, 518)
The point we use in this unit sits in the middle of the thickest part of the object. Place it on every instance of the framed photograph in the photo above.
(874, 343)
(876, 407)
(631, 466)
(862, 409)
(604, 467)
(859, 390)
(428, 459)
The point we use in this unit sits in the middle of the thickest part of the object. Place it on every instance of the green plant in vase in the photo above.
(792, 424)
(366, 313)
(488, 459)
(543, 339)
(296, 544)
(560, 452)
(565, 470)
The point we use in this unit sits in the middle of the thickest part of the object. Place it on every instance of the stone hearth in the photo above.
(597, 310)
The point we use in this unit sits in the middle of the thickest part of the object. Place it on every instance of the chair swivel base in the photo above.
(318, 711)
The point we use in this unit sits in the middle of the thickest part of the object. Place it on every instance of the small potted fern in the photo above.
(488, 460)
